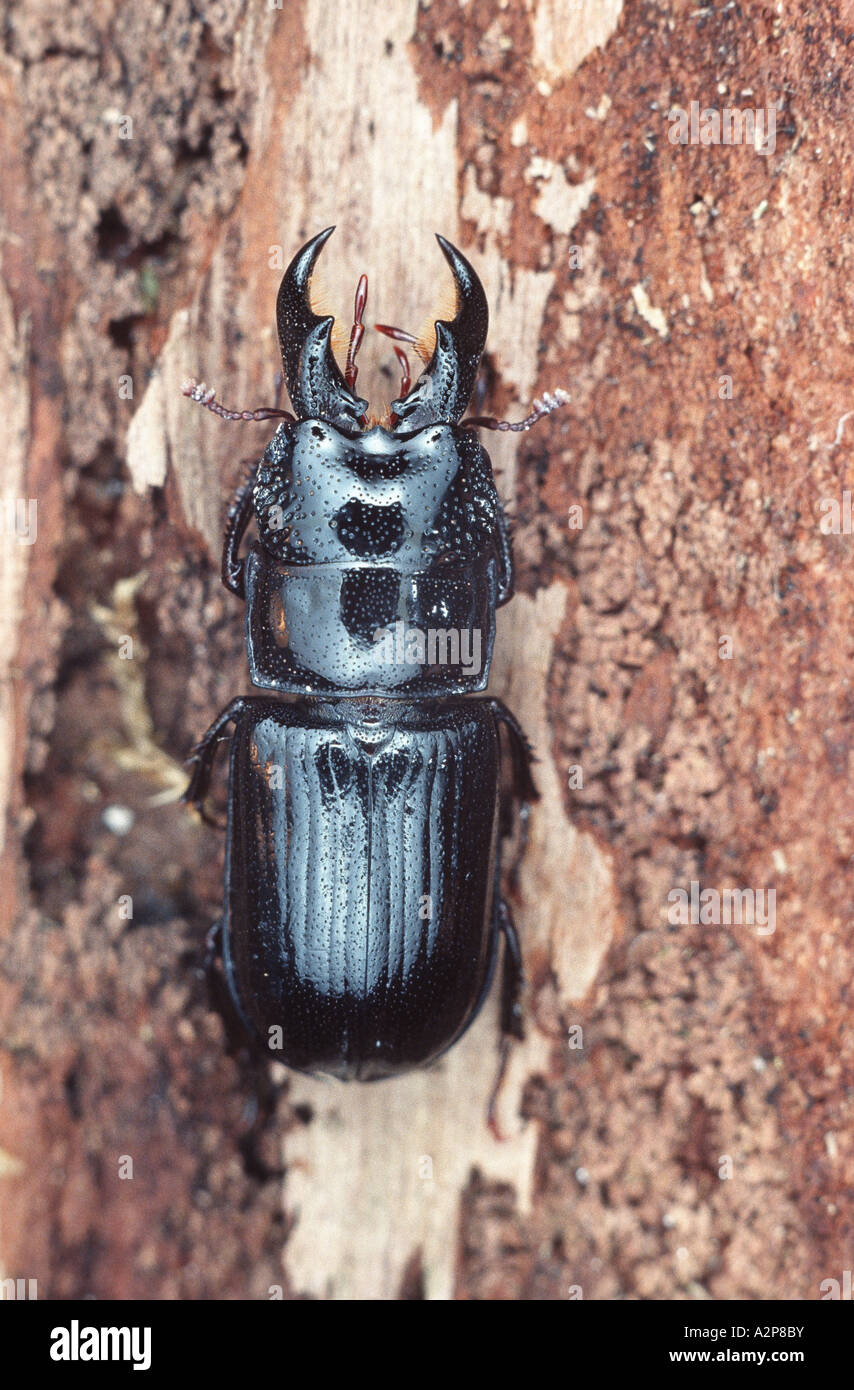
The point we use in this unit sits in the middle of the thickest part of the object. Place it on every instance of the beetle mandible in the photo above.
(363, 911)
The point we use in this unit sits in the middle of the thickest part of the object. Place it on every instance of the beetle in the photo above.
(363, 912)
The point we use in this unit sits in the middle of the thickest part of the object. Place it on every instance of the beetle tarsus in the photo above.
(513, 975)
(203, 757)
(236, 523)
(506, 582)
(252, 1063)
(492, 1104)
(512, 1028)
(219, 995)
(521, 753)
(213, 947)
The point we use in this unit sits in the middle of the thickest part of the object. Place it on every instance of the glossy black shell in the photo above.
(362, 914)
(361, 867)
(359, 534)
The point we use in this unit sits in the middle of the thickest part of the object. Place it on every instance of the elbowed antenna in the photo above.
(315, 384)
(442, 392)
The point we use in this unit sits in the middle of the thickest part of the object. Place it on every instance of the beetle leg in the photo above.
(219, 998)
(513, 975)
(260, 1102)
(551, 401)
(505, 558)
(523, 785)
(213, 947)
(236, 522)
(203, 756)
(521, 753)
(219, 993)
(512, 983)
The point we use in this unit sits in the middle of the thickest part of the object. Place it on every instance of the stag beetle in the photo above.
(362, 902)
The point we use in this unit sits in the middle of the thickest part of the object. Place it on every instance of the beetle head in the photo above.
(315, 384)
(441, 393)
(314, 380)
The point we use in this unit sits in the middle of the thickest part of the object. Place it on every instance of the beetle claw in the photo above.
(203, 813)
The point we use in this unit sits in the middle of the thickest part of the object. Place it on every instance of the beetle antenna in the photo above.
(206, 396)
(551, 401)
(357, 332)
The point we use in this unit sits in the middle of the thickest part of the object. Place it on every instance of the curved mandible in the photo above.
(442, 392)
(315, 384)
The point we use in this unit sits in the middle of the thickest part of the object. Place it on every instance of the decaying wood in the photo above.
(638, 275)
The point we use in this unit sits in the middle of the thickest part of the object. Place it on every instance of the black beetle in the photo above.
(362, 906)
